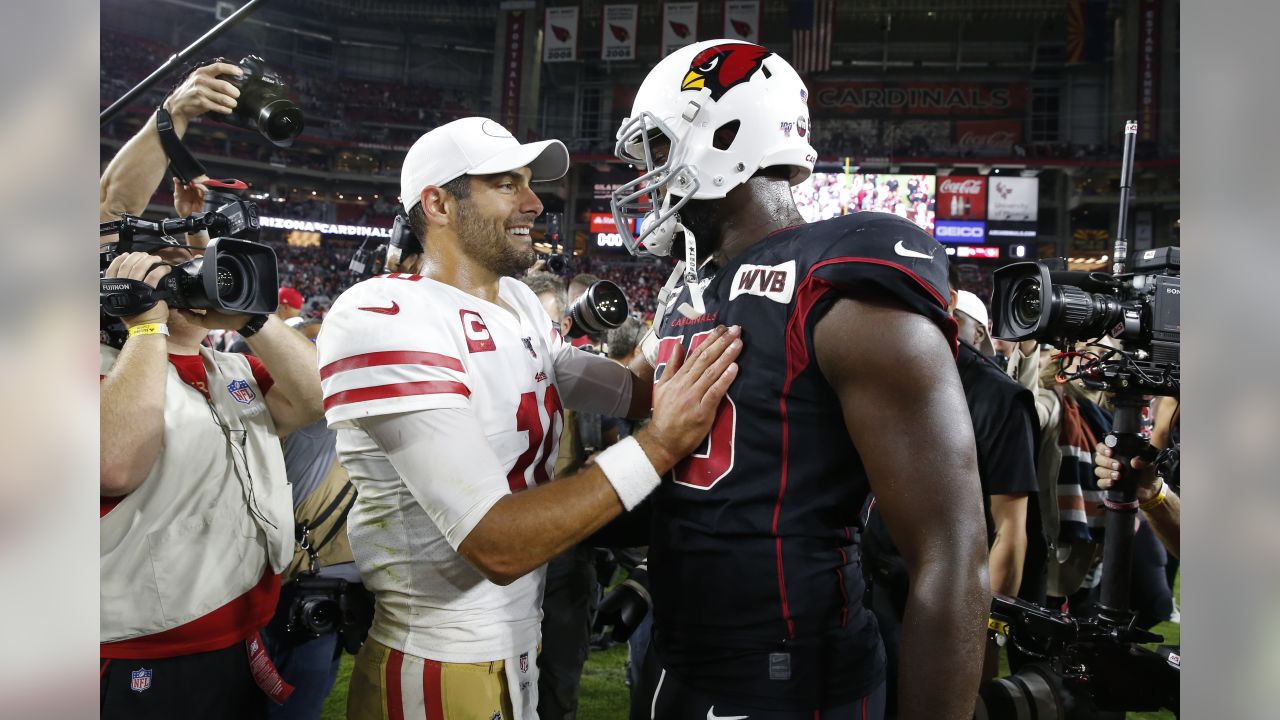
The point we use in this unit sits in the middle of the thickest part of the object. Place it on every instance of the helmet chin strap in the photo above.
(695, 308)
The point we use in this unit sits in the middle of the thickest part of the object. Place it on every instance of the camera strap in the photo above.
(181, 161)
(303, 528)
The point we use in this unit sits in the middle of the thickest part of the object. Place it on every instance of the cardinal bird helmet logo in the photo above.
(724, 66)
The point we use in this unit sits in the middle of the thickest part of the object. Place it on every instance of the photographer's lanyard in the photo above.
(181, 161)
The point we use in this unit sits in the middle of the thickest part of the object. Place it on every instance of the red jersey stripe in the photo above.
(390, 357)
(381, 392)
(432, 690)
(395, 698)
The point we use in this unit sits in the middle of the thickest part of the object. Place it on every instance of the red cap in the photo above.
(291, 297)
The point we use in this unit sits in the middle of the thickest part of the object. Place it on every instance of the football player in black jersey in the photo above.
(847, 385)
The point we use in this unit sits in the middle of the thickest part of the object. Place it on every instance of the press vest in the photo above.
(214, 509)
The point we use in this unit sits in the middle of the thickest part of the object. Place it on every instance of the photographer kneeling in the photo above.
(196, 515)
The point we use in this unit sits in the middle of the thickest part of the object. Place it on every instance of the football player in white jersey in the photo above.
(446, 389)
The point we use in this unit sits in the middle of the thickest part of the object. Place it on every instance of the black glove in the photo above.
(626, 605)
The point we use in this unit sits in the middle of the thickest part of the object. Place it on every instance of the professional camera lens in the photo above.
(235, 281)
(263, 105)
(1026, 302)
(280, 121)
(320, 615)
(602, 307)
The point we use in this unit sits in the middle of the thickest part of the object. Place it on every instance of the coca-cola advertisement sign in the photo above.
(995, 137)
(962, 198)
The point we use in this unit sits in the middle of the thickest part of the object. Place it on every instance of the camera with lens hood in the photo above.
(1141, 308)
(231, 275)
(601, 308)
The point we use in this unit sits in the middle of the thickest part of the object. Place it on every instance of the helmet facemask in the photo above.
(650, 197)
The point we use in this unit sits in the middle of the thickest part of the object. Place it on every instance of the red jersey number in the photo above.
(713, 459)
(541, 438)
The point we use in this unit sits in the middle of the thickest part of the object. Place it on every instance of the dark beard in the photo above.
(702, 218)
(487, 244)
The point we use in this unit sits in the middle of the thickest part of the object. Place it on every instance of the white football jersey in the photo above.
(404, 343)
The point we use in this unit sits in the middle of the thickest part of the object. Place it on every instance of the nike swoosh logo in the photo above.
(395, 308)
(711, 715)
(904, 252)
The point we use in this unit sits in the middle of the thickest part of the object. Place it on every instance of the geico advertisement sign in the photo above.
(960, 231)
(1013, 198)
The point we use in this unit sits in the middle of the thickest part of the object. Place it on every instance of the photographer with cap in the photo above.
(195, 517)
(446, 389)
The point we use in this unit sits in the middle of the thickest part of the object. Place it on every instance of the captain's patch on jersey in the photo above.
(776, 282)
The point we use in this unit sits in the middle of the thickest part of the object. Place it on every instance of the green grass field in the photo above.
(604, 692)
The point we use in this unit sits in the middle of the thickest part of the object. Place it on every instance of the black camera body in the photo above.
(1141, 308)
(263, 104)
(231, 276)
(1083, 668)
(323, 605)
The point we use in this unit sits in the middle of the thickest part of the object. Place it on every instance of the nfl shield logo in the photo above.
(140, 680)
(241, 391)
(524, 663)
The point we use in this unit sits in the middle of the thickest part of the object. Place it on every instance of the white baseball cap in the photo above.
(475, 146)
(972, 305)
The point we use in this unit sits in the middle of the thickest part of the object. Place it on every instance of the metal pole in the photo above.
(174, 61)
(1122, 506)
(1126, 185)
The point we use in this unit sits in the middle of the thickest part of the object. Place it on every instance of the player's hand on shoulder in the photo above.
(685, 400)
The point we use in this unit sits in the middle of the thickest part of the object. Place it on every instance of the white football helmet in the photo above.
(686, 98)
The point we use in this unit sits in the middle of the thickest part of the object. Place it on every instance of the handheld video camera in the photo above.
(231, 276)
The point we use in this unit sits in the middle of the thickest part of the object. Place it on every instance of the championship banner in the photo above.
(988, 136)
(1013, 198)
(512, 53)
(962, 198)
(919, 98)
(1148, 70)
(742, 20)
(618, 33)
(679, 25)
(560, 34)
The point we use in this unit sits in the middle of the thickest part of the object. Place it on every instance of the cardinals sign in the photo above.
(618, 33)
(742, 20)
(560, 35)
(679, 25)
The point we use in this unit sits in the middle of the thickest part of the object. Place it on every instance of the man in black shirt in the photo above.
(847, 383)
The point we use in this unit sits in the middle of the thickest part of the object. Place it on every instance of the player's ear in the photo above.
(437, 205)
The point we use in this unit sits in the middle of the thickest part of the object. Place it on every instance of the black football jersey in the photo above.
(753, 560)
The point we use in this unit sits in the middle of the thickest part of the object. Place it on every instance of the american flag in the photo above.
(812, 25)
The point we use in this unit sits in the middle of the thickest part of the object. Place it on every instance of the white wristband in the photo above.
(629, 471)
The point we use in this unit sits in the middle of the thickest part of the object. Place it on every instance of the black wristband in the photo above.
(252, 327)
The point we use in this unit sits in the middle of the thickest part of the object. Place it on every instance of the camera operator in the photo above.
(1158, 501)
(196, 516)
(133, 174)
(195, 513)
